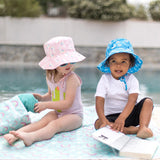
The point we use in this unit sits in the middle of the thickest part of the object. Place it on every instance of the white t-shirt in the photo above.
(114, 93)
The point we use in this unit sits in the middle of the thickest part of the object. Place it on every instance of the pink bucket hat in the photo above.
(59, 50)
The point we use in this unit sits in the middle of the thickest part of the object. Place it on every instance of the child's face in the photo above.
(65, 69)
(119, 64)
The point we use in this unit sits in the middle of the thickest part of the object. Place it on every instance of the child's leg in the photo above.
(130, 130)
(65, 123)
(109, 121)
(32, 127)
(127, 130)
(145, 117)
(41, 123)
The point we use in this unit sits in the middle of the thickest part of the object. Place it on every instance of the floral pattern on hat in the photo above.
(120, 45)
(59, 50)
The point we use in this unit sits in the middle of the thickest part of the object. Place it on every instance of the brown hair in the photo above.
(50, 74)
(132, 60)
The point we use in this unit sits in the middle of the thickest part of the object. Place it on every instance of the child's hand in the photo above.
(37, 96)
(39, 107)
(103, 125)
(106, 123)
(118, 125)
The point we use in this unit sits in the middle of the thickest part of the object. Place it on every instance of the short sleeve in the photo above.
(101, 90)
(133, 85)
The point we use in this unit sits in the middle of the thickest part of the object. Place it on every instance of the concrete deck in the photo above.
(156, 116)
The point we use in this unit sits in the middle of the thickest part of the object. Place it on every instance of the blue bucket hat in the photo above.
(120, 45)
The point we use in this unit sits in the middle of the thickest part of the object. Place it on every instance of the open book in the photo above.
(126, 145)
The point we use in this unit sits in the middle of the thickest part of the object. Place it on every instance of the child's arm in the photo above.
(100, 112)
(120, 121)
(72, 83)
(45, 97)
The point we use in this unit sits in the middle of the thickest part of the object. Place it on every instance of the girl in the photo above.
(63, 96)
(117, 92)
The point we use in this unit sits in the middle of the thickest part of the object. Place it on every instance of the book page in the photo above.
(112, 138)
(140, 148)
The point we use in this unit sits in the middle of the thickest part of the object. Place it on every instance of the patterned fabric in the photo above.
(76, 144)
(120, 45)
(28, 101)
(59, 50)
(13, 115)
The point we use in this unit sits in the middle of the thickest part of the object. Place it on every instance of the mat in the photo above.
(77, 144)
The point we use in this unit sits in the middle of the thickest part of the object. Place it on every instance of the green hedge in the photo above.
(154, 9)
(20, 8)
(111, 10)
(108, 10)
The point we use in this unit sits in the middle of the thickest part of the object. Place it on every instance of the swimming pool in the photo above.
(28, 80)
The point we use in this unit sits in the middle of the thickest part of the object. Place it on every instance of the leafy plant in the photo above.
(111, 10)
(46, 3)
(140, 12)
(2, 8)
(154, 9)
(21, 8)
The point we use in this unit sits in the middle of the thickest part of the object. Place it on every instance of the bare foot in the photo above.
(97, 124)
(10, 138)
(130, 130)
(144, 133)
(25, 137)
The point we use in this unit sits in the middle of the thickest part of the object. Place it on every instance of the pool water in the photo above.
(28, 80)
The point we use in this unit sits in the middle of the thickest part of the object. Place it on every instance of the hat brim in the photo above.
(49, 63)
(106, 69)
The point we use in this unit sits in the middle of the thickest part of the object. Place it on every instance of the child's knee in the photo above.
(148, 102)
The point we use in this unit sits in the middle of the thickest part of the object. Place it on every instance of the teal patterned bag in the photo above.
(14, 113)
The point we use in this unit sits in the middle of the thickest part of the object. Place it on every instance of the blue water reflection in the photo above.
(21, 80)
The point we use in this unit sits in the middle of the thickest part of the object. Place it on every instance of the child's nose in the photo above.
(118, 64)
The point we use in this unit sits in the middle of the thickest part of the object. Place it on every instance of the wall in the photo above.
(21, 39)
